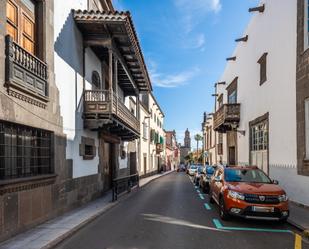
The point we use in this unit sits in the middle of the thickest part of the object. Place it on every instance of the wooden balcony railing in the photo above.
(25, 71)
(227, 116)
(99, 104)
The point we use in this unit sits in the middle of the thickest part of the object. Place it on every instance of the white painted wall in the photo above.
(69, 80)
(274, 32)
(144, 141)
(153, 105)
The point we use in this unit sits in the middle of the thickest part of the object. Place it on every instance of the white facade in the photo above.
(74, 67)
(272, 32)
(69, 80)
(144, 153)
(156, 124)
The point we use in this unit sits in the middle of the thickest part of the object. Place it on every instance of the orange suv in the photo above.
(249, 193)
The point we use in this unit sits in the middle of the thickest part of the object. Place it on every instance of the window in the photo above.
(232, 92)
(232, 98)
(20, 23)
(96, 80)
(87, 148)
(263, 68)
(307, 127)
(259, 136)
(220, 101)
(220, 144)
(24, 151)
(155, 117)
(145, 128)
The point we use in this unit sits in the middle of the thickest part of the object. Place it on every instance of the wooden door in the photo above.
(232, 156)
(145, 165)
(133, 168)
(107, 166)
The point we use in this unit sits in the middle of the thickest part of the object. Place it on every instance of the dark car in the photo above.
(205, 178)
(197, 175)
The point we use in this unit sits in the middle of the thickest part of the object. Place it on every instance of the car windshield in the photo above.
(210, 170)
(246, 175)
(200, 169)
(193, 167)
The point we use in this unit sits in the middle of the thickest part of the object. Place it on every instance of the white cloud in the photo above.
(193, 11)
(170, 80)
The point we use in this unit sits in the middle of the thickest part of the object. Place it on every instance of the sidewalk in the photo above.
(50, 233)
(299, 216)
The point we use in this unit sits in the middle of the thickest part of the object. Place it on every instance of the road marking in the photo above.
(202, 197)
(220, 226)
(298, 241)
(207, 206)
(198, 191)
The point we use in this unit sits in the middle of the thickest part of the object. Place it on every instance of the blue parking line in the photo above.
(220, 226)
(207, 206)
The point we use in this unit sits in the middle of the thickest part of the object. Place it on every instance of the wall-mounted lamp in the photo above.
(215, 95)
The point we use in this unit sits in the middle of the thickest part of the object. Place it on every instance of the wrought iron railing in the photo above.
(124, 184)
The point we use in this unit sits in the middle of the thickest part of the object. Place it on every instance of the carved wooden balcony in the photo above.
(103, 110)
(227, 118)
(25, 75)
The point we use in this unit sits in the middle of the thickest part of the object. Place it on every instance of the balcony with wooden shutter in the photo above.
(227, 118)
(103, 109)
(25, 74)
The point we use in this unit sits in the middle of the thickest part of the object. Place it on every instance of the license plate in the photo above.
(263, 209)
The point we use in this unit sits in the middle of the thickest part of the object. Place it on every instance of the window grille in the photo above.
(24, 151)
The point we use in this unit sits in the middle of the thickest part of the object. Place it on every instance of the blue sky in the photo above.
(185, 44)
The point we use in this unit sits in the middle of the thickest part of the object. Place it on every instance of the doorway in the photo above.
(108, 169)
(145, 164)
(232, 156)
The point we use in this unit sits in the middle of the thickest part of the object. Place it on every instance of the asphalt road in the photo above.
(169, 213)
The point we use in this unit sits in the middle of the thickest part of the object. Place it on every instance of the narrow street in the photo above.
(170, 213)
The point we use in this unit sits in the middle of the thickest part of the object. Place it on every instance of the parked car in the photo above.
(181, 168)
(197, 175)
(248, 192)
(206, 175)
(192, 169)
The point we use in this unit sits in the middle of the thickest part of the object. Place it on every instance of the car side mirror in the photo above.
(218, 179)
(275, 182)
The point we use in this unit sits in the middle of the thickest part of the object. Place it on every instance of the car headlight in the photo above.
(236, 195)
(282, 198)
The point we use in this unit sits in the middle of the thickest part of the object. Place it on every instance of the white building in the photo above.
(256, 99)
(100, 71)
(152, 146)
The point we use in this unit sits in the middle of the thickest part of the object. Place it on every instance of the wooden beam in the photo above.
(260, 9)
(231, 58)
(242, 39)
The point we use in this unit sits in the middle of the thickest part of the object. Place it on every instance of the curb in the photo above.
(294, 224)
(167, 173)
(74, 230)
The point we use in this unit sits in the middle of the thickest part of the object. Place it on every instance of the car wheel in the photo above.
(222, 212)
(211, 199)
(206, 189)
